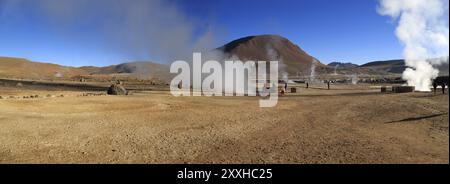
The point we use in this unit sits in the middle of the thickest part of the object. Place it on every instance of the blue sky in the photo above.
(330, 30)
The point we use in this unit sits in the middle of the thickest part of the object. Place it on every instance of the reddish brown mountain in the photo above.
(273, 47)
(22, 68)
(25, 69)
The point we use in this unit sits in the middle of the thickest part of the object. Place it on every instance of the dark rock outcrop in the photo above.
(117, 89)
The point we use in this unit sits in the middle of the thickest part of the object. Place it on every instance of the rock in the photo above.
(19, 84)
(293, 90)
(116, 89)
(1, 97)
(50, 96)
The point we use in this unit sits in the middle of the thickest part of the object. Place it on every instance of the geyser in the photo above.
(423, 30)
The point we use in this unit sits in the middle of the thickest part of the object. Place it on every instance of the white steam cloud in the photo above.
(154, 29)
(274, 56)
(312, 76)
(423, 28)
(335, 69)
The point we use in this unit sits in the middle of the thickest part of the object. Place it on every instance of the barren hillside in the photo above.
(270, 47)
(25, 69)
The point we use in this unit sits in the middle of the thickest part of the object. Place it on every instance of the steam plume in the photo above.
(153, 29)
(312, 76)
(423, 30)
(274, 56)
(335, 69)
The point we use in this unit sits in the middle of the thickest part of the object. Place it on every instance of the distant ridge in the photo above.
(397, 66)
(342, 65)
(23, 68)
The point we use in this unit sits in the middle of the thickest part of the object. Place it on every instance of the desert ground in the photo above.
(347, 124)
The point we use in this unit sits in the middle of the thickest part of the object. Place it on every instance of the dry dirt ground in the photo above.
(348, 124)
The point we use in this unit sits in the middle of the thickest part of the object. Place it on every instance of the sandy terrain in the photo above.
(348, 124)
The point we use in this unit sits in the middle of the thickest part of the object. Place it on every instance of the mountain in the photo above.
(25, 69)
(389, 66)
(398, 66)
(22, 68)
(140, 69)
(340, 65)
(293, 59)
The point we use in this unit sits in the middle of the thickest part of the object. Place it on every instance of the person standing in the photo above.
(435, 86)
(328, 84)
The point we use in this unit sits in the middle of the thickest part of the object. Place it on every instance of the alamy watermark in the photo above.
(230, 78)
